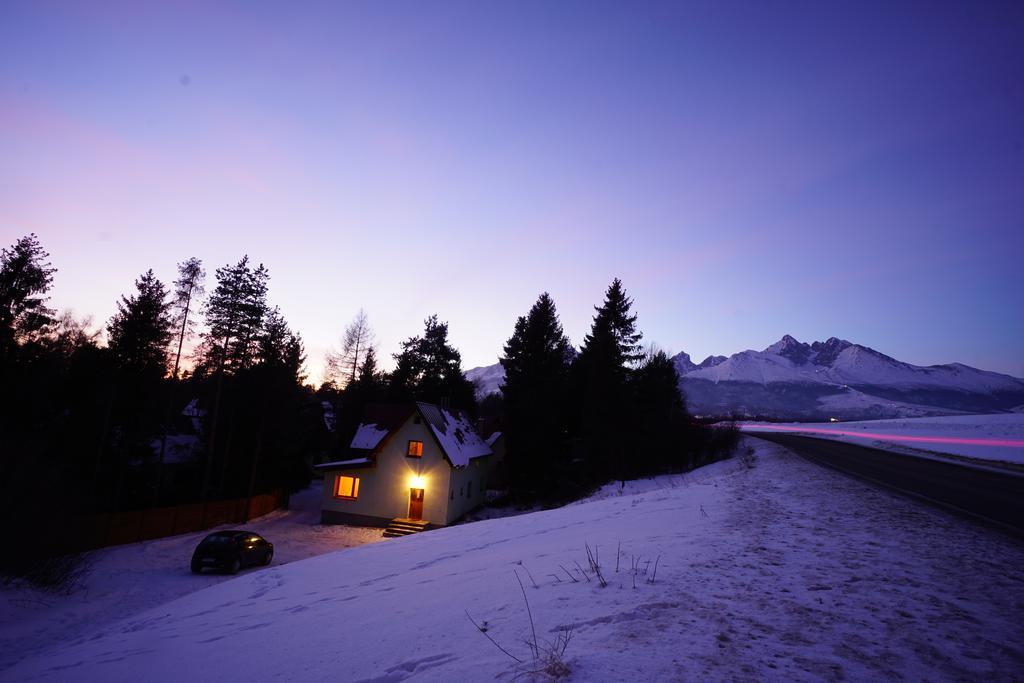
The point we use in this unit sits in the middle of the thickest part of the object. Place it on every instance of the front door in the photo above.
(415, 503)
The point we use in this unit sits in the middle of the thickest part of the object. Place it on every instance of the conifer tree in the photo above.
(661, 418)
(234, 317)
(281, 348)
(188, 291)
(614, 329)
(536, 364)
(273, 339)
(601, 384)
(295, 358)
(429, 369)
(25, 278)
(369, 374)
(138, 334)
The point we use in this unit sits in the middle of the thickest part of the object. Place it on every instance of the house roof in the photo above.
(453, 431)
(379, 420)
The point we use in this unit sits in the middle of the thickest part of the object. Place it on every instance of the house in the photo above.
(497, 478)
(411, 461)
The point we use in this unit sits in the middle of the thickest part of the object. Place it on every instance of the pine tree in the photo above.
(138, 334)
(601, 385)
(369, 374)
(661, 418)
(188, 291)
(614, 329)
(429, 369)
(273, 340)
(281, 348)
(295, 358)
(25, 278)
(536, 364)
(234, 317)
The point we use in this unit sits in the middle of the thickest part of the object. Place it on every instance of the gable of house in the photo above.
(400, 448)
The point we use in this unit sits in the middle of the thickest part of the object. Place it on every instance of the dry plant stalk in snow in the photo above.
(547, 658)
(595, 565)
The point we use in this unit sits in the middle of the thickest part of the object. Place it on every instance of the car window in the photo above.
(216, 541)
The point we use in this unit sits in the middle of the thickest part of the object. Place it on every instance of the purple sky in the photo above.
(748, 171)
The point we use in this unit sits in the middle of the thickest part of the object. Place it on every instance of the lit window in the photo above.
(346, 487)
(415, 449)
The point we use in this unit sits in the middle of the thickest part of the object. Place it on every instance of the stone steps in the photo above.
(404, 527)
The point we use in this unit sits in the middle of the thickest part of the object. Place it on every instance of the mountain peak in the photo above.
(787, 341)
(683, 363)
(825, 352)
(788, 347)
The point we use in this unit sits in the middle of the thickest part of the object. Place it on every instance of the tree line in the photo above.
(89, 428)
(572, 419)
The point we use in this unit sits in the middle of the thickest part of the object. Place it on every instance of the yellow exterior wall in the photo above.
(462, 502)
(384, 489)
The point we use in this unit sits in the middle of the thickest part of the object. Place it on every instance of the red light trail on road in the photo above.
(1001, 443)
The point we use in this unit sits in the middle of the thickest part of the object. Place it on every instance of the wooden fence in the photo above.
(116, 528)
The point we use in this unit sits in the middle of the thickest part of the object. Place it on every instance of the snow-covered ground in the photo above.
(128, 579)
(784, 571)
(983, 437)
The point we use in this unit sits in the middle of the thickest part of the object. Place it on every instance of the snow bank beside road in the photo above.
(986, 437)
(786, 571)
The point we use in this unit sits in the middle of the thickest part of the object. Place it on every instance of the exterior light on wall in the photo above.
(417, 482)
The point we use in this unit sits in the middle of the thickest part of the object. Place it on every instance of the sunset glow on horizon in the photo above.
(747, 172)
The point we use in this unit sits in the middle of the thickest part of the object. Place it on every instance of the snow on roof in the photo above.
(192, 409)
(459, 441)
(455, 433)
(493, 437)
(368, 436)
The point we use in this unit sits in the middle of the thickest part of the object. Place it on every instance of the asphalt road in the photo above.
(983, 494)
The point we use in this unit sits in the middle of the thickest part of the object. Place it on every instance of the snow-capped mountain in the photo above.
(487, 379)
(837, 378)
(833, 378)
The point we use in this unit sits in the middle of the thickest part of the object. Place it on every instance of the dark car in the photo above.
(232, 550)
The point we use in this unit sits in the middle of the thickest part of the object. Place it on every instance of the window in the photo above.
(451, 495)
(469, 490)
(415, 449)
(462, 490)
(346, 487)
